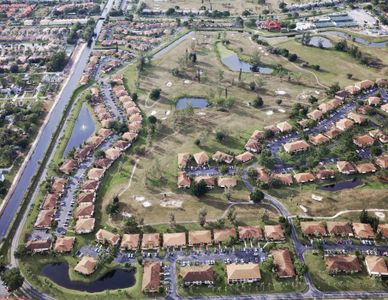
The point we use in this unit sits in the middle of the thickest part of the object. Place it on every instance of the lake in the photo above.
(194, 102)
(84, 127)
(235, 64)
(113, 280)
(357, 39)
(316, 40)
(348, 184)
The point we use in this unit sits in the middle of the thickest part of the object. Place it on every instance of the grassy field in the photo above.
(354, 282)
(335, 65)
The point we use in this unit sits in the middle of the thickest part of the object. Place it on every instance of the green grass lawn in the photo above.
(352, 282)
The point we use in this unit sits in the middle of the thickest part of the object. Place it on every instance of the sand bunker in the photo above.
(187, 81)
(153, 113)
(380, 215)
(169, 84)
(139, 198)
(171, 203)
(168, 112)
(269, 112)
(280, 92)
(146, 204)
(281, 110)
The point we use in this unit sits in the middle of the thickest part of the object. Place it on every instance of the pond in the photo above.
(84, 127)
(194, 102)
(235, 64)
(113, 280)
(357, 39)
(348, 184)
(320, 42)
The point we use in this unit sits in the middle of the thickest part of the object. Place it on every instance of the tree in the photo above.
(172, 220)
(257, 195)
(364, 216)
(349, 75)
(224, 169)
(279, 101)
(130, 225)
(57, 62)
(21, 251)
(312, 99)
(232, 215)
(258, 102)
(220, 136)
(13, 279)
(199, 188)
(14, 68)
(152, 120)
(202, 213)
(292, 57)
(113, 207)
(300, 268)
(155, 94)
(334, 88)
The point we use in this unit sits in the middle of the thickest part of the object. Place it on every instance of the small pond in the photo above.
(357, 39)
(235, 64)
(317, 41)
(342, 185)
(194, 102)
(113, 280)
(84, 127)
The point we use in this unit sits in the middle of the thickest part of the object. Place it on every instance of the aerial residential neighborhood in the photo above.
(193, 149)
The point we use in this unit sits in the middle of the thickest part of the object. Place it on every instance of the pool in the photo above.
(113, 280)
(194, 102)
(348, 184)
(316, 41)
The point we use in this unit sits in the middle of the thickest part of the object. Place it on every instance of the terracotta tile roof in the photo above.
(374, 101)
(150, 241)
(250, 232)
(44, 219)
(112, 153)
(227, 182)
(86, 266)
(64, 244)
(94, 141)
(151, 276)
(58, 185)
(96, 173)
(382, 161)
(50, 201)
(285, 179)
(364, 84)
(183, 159)
(38, 245)
(313, 228)
(325, 107)
(84, 210)
(341, 263)
(339, 228)
(104, 132)
(257, 135)
(284, 126)
(103, 163)
(343, 94)
(304, 177)
(324, 174)
(346, 167)
(244, 157)
(283, 263)
(384, 229)
(224, 235)
(247, 271)
(262, 174)
(176, 239)
(222, 157)
(68, 166)
(210, 180)
(105, 236)
(381, 82)
(253, 146)
(358, 119)
(352, 89)
(318, 139)
(315, 115)
(197, 273)
(130, 241)
(183, 180)
(129, 136)
(363, 140)
(86, 197)
(366, 168)
(344, 124)
(376, 265)
(201, 158)
(296, 146)
(200, 237)
(384, 107)
(335, 102)
(84, 225)
(362, 230)
(332, 132)
(274, 233)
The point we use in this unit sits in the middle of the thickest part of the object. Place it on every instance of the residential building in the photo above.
(150, 241)
(227, 182)
(274, 233)
(315, 115)
(209, 180)
(363, 231)
(151, 277)
(313, 228)
(86, 266)
(366, 168)
(243, 273)
(304, 177)
(325, 174)
(285, 179)
(374, 101)
(342, 264)
(224, 235)
(382, 161)
(363, 141)
(201, 158)
(38, 246)
(250, 233)
(64, 244)
(183, 180)
(130, 242)
(197, 275)
(296, 146)
(84, 210)
(364, 84)
(339, 229)
(106, 237)
(383, 228)
(84, 225)
(222, 157)
(376, 265)
(244, 157)
(183, 159)
(284, 126)
(346, 168)
(200, 237)
(344, 124)
(172, 240)
(358, 119)
(283, 263)
(45, 218)
(253, 146)
(318, 139)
